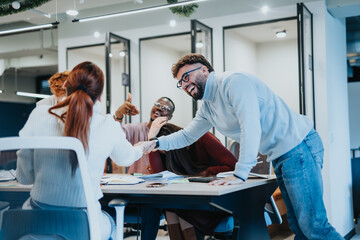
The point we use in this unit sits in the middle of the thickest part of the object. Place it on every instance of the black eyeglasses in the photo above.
(185, 77)
(162, 106)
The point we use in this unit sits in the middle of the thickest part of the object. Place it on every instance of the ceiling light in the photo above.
(122, 53)
(34, 95)
(110, 55)
(72, 12)
(199, 45)
(172, 23)
(15, 5)
(281, 34)
(265, 9)
(141, 10)
(1, 91)
(96, 34)
(27, 29)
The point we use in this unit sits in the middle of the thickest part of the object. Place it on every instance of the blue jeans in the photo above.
(298, 174)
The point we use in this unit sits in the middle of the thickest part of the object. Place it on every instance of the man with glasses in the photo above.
(243, 108)
(161, 112)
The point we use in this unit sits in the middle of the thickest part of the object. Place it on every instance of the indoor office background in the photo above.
(239, 42)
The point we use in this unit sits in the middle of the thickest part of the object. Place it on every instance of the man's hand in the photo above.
(126, 109)
(230, 180)
(156, 125)
(146, 147)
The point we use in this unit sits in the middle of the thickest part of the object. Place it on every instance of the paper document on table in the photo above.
(7, 175)
(117, 179)
(161, 176)
(251, 175)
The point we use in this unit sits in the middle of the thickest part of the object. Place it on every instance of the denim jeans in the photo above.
(299, 177)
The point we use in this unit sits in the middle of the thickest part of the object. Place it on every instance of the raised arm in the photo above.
(196, 128)
(126, 109)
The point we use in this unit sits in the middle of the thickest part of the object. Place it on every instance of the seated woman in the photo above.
(77, 116)
(206, 157)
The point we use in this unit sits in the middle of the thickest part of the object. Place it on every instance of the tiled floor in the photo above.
(281, 235)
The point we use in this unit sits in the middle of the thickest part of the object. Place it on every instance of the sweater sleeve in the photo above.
(192, 132)
(123, 152)
(241, 94)
(223, 158)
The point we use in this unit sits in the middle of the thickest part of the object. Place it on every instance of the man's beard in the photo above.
(200, 85)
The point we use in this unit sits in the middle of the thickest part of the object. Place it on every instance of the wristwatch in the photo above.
(157, 141)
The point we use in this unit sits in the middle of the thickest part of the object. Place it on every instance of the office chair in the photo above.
(271, 212)
(59, 224)
(3, 207)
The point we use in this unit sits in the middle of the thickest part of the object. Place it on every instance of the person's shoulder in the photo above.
(41, 110)
(237, 80)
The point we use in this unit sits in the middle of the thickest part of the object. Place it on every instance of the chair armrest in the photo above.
(117, 203)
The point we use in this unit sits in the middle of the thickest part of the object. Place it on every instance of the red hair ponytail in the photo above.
(84, 87)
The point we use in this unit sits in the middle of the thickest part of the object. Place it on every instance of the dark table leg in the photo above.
(247, 207)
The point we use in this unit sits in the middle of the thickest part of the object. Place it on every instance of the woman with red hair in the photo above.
(77, 116)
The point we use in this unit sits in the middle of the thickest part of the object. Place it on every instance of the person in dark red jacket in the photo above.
(206, 157)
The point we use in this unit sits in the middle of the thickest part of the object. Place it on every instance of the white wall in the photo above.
(157, 81)
(275, 63)
(76, 56)
(330, 86)
(277, 66)
(332, 114)
(354, 114)
(240, 53)
(339, 145)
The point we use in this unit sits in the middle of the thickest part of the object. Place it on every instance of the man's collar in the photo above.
(209, 92)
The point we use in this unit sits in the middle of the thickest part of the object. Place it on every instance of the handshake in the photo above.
(146, 147)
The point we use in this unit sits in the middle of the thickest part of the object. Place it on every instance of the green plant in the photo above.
(7, 9)
(184, 11)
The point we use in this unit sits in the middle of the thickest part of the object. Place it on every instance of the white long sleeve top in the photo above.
(50, 173)
(244, 108)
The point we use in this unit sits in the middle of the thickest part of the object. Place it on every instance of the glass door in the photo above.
(117, 60)
(306, 59)
(201, 42)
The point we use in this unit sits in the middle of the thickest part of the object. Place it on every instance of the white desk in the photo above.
(245, 201)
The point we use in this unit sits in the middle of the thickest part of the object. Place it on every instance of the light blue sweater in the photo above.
(243, 108)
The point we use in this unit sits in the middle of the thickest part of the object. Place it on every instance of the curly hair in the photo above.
(190, 59)
(56, 83)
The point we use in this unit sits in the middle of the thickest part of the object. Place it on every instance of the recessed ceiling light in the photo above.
(72, 12)
(96, 34)
(122, 53)
(281, 34)
(15, 4)
(172, 23)
(265, 9)
(110, 55)
(199, 45)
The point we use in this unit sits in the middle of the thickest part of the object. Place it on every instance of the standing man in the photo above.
(243, 108)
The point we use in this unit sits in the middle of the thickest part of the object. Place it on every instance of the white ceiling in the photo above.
(57, 9)
(266, 32)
